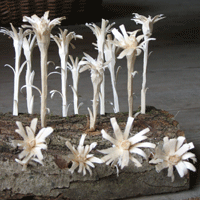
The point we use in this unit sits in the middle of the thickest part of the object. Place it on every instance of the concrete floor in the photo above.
(172, 77)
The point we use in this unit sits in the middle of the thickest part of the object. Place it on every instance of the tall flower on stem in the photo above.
(28, 46)
(123, 147)
(42, 28)
(147, 29)
(110, 55)
(174, 153)
(75, 67)
(31, 145)
(131, 48)
(96, 68)
(63, 42)
(17, 43)
(100, 34)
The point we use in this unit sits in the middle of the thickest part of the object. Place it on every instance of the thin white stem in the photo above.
(96, 90)
(102, 96)
(43, 54)
(16, 81)
(144, 89)
(130, 67)
(113, 82)
(75, 77)
(64, 84)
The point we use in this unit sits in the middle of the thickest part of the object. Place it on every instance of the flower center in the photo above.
(32, 143)
(174, 159)
(81, 158)
(125, 145)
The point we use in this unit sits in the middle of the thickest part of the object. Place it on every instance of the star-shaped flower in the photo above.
(81, 157)
(31, 145)
(147, 23)
(42, 26)
(129, 43)
(123, 147)
(174, 153)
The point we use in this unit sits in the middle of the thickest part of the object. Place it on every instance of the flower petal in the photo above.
(138, 151)
(116, 128)
(72, 149)
(189, 166)
(128, 127)
(180, 141)
(30, 133)
(43, 133)
(108, 137)
(125, 159)
(137, 163)
(33, 125)
(181, 168)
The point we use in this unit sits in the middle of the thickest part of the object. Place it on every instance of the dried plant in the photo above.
(131, 48)
(31, 145)
(97, 69)
(63, 42)
(42, 28)
(81, 157)
(100, 34)
(123, 147)
(28, 46)
(147, 29)
(17, 43)
(174, 153)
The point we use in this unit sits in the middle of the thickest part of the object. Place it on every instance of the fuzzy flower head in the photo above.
(64, 39)
(42, 26)
(81, 158)
(174, 153)
(123, 146)
(31, 145)
(100, 33)
(147, 23)
(129, 43)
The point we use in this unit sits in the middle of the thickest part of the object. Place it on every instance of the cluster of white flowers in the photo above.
(173, 152)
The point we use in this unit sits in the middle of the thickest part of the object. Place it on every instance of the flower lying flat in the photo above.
(174, 153)
(81, 156)
(123, 146)
(31, 145)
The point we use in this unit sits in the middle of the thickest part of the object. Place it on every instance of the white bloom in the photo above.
(123, 146)
(81, 156)
(129, 43)
(174, 153)
(147, 23)
(31, 145)
(100, 33)
(42, 26)
(64, 40)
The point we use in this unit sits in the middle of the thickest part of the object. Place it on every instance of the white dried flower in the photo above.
(147, 23)
(174, 153)
(31, 145)
(129, 43)
(100, 33)
(123, 147)
(42, 26)
(81, 157)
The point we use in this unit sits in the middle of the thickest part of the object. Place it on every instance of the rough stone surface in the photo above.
(54, 181)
